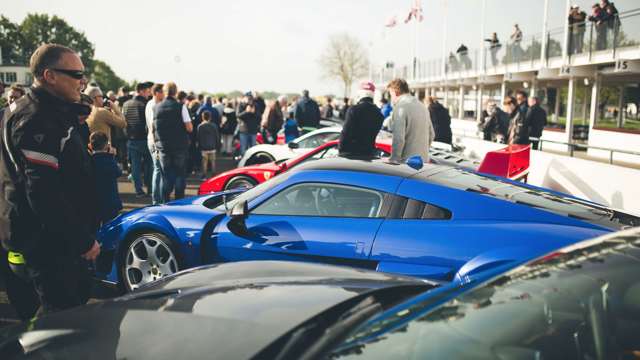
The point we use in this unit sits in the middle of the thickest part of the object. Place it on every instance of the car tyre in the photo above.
(148, 257)
(240, 181)
(260, 158)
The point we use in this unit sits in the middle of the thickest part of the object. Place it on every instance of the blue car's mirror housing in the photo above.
(415, 162)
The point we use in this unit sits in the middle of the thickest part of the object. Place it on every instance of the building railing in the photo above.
(576, 146)
(464, 133)
(622, 32)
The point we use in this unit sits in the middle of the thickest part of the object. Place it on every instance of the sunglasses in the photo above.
(76, 74)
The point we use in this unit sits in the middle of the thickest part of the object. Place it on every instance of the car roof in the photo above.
(372, 165)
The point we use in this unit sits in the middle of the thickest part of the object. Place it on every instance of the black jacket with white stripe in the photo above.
(48, 208)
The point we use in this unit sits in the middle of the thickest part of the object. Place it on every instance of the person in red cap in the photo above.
(362, 124)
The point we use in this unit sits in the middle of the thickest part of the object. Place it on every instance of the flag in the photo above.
(391, 22)
(415, 12)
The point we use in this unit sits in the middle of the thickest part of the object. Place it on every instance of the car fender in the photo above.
(492, 259)
(150, 222)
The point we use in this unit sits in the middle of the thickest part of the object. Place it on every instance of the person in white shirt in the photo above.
(156, 178)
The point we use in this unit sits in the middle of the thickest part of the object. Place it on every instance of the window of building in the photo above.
(554, 101)
(452, 103)
(618, 106)
(11, 77)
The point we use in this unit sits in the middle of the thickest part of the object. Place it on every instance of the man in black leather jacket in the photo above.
(47, 215)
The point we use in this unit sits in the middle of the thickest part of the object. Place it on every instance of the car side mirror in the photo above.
(237, 215)
(293, 145)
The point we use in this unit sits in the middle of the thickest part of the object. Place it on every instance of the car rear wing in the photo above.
(511, 162)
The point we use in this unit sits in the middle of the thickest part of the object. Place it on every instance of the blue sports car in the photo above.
(430, 221)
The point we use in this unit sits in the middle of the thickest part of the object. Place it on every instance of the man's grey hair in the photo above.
(93, 91)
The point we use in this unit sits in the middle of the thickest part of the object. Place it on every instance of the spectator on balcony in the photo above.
(453, 63)
(463, 54)
(516, 40)
(440, 119)
(494, 46)
(610, 17)
(597, 17)
(577, 27)
(516, 43)
(537, 119)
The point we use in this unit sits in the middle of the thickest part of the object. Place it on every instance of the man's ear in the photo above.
(49, 76)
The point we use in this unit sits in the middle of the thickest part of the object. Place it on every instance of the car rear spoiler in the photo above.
(511, 162)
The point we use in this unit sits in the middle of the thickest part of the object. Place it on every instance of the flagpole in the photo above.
(444, 39)
(415, 40)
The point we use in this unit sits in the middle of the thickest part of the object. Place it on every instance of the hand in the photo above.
(112, 150)
(93, 253)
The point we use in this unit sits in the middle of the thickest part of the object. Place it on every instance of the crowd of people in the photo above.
(520, 119)
(65, 144)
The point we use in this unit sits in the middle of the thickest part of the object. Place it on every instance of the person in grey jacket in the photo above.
(410, 124)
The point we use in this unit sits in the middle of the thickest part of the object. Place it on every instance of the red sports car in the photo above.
(511, 162)
(249, 176)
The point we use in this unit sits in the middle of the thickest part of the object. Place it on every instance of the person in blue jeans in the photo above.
(156, 177)
(171, 126)
(134, 112)
(248, 125)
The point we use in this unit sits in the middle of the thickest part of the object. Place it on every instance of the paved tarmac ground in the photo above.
(129, 200)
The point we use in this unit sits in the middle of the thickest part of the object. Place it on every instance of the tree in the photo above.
(344, 59)
(105, 77)
(37, 29)
(10, 42)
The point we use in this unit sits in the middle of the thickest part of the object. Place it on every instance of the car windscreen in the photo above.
(545, 200)
(251, 193)
(584, 305)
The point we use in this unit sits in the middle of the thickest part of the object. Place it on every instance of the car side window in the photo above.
(317, 140)
(405, 208)
(324, 200)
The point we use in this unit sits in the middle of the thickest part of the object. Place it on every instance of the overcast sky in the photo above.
(220, 45)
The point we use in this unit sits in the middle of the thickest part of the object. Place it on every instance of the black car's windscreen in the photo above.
(469, 181)
(583, 305)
